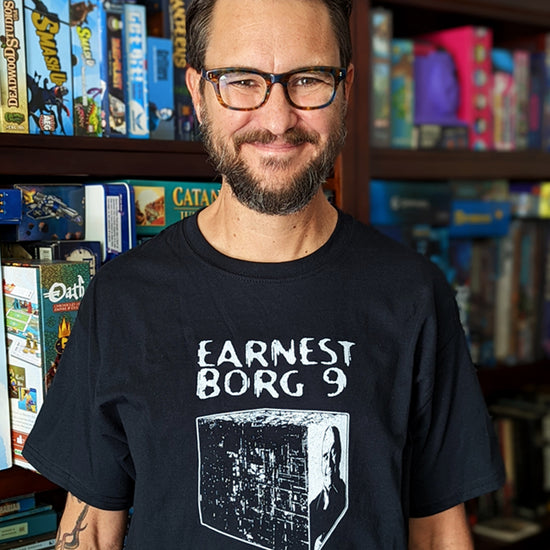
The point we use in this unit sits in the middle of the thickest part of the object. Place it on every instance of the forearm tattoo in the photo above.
(68, 541)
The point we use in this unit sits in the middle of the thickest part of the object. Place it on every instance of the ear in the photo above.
(193, 79)
(350, 75)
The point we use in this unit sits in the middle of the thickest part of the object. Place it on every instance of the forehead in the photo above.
(271, 35)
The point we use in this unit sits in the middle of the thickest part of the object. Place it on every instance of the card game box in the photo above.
(49, 212)
(49, 67)
(41, 300)
(159, 204)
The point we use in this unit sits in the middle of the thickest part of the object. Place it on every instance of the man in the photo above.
(327, 506)
(201, 359)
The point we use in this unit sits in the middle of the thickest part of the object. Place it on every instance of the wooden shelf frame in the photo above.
(81, 157)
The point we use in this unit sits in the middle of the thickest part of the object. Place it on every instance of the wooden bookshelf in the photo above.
(63, 159)
(509, 20)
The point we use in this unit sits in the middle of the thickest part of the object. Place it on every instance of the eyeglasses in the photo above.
(245, 89)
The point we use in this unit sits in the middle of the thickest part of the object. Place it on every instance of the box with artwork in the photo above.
(41, 300)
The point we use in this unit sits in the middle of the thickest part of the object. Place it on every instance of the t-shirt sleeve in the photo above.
(455, 452)
(78, 441)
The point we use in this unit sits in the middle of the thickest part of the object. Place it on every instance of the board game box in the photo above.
(49, 212)
(110, 217)
(72, 251)
(14, 116)
(470, 47)
(87, 28)
(398, 202)
(6, 460)
(41, 300)
(49, 67)
(159, 204)
(380, 103)
(186, 124)
(161, 88)
(135, 64)
(402, 94)
(114, 98)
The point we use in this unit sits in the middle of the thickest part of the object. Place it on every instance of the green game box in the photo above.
(41, 300)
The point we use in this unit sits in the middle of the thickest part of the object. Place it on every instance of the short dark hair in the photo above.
(199, 19)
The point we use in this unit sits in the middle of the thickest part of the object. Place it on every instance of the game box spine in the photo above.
(161, 88)
(13, 76)
(380, 103)
(49, 67)
(521, 78)
(135, 64)
(186, 127)
(114, 98)
(402, 94)
(87, 40)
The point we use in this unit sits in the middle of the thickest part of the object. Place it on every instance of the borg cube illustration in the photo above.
(275, 479)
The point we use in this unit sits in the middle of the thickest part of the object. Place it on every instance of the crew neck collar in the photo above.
(268, 270)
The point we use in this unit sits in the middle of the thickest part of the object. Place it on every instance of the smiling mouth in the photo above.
(289, 141)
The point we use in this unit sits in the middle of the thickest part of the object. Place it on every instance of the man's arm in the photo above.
(88, 528)
(448, 530)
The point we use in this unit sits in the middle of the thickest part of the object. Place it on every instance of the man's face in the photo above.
(330, 459)
(276, 157)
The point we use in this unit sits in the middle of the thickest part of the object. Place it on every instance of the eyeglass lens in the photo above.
(245, 90)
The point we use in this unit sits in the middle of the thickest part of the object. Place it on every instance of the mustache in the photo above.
(293, 136)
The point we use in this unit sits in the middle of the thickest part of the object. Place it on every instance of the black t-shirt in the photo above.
(220, 397)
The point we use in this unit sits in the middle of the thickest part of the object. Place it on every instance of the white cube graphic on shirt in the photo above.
(275, 479)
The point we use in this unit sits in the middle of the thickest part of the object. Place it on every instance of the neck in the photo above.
(238, 232)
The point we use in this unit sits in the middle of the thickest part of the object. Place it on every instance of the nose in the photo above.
(277, 115)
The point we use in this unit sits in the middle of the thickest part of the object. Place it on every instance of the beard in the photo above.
(252, 192)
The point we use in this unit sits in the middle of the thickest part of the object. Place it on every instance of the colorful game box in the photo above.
(135, 63)
(71, 251)
(87, 27)
(14, 117)
(112, 71)
(381, 32)
(111, 217)
(49, 67)
(402, 94)
(6, 460)
(186, 125)
(394, 203)
(477, 218)
(48, 212)
(161, 88)
(521, 79)
(504, 100)
(41, 300)
(162, 203)
(470, 47)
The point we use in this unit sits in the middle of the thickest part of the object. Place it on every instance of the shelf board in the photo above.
(60, 156)
(442, 165)
(19, 481)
